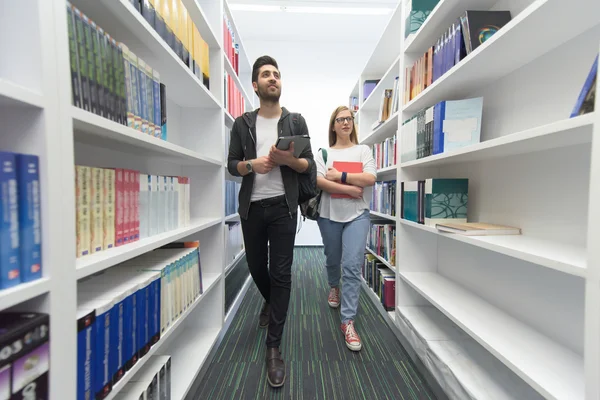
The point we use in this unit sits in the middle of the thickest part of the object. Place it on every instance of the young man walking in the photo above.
(268, 201)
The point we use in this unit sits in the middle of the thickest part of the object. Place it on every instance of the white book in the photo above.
(174, 203)
(181, 201)
(144, 206)
(160, 205)
(187, 201)
(154, 201)
(165, 208)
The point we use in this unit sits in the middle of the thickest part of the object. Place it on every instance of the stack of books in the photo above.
(384, 197)
(123, 312)
(384, 153)
(20, 216)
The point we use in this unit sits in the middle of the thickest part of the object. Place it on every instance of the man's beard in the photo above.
(265, 95)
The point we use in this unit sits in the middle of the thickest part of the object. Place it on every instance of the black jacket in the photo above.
(242, 146)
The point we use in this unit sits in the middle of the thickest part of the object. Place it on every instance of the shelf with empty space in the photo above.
(562, 133)
(383, 131)
(553, 370)
(233, 263)
(98, 131)
(209, 280)
(12, 94)
(442, 16)
(550, 254)
(490, 62)
(383, 260)
(94, 263)
(23, 292)
(120, 19)
(371, 103)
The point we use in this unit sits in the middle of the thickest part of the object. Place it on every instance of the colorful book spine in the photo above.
(156, 104)
(410, 200)
(86, 102)
(109, 209)
(91, 62)
(119, 207)
(73, 57)
(126, 206)
(150, 100)
(85, 353)
(135, 91)
(10, 257)
(143, 96)
(135, 198)
(30, 233)
(82, 199)
(163, 111)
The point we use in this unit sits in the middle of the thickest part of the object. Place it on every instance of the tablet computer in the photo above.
(300, 143)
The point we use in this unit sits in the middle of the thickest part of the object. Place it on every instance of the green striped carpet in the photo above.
(319, 366)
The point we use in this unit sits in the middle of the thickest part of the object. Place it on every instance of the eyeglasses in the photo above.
(341, 120)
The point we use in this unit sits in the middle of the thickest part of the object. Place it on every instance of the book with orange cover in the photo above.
(351, 167)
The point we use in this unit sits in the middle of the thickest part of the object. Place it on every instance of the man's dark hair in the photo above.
(261, 62)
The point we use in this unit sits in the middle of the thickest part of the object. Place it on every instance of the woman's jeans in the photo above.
(345, 244)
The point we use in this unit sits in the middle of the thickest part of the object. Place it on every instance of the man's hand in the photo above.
(333, 175)
(355, 192)
(262, 165)
(282, 157)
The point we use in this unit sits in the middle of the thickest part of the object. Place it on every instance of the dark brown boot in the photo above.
(265, 313)
(275, 368)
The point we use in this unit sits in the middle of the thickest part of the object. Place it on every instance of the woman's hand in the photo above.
(356, 192)
(333, 175)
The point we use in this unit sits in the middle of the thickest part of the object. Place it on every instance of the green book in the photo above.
(446, 201)
(416, 12)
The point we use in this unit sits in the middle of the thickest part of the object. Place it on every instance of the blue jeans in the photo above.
(345, 244)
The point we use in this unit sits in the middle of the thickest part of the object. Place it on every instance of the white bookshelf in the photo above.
(38, 118)
(528, 304)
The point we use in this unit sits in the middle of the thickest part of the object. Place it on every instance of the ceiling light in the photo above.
(311, 10)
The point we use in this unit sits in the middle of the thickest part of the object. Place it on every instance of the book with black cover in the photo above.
(480, 26)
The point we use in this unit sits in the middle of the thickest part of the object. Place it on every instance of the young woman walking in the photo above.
(344, 215)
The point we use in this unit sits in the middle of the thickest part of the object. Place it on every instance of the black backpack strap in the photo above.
(293, 120)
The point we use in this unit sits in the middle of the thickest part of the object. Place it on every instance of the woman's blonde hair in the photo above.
(333, 135)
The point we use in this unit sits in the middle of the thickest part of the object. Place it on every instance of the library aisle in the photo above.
(319, 366)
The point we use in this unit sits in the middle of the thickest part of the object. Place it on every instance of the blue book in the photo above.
(410, 201)
(586, 94)
(439, 111)
(462, 123)
(10, 257)
(30, 234)
(446, 201)
(85, 353)
(142, 93)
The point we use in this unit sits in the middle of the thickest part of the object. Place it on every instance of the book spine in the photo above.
(82, 60)
(163, 112)
(135, 94)
(10, 263)
(103, 377)
(586, 88)
(30, 235)
(136, 203)
(85, 355)
(156, 103)
(73, 58)
(119, 207)
(108, 241)
(96, 210)
(143, 99)
(91, 61)
(126, 207)
(108, 74)
(97, 33)
(150, 99)
(122, 94)
(82, 193)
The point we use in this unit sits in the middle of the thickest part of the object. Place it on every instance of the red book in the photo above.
(119, 206)
(126, 207)
(351, 167)
(135, 204)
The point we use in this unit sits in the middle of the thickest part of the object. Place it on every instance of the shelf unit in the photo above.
(527, 305)
(39, 118)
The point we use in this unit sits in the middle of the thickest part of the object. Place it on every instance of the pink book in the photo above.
(352, 167)
(135, 201)
(119, 206)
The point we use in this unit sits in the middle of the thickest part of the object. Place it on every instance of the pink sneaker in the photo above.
(334, 297)
(352, 339)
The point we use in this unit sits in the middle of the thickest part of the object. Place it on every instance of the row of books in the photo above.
(384, 197)
(446, 126)
(109, 80)
(469, 31)
(115, 207)
(382, 241)
(353, 103)
(381, 280)
(384, 153)
(232, 189)
(20, 219)
(153, 382)
(389, 104)
(230, 45)
(434, 201)
(234, 241)
(234, 99)
(123, 312)
(171, 20)
(25, 360)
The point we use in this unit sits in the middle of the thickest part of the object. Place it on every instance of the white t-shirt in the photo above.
(271, 184)
(345, 210)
